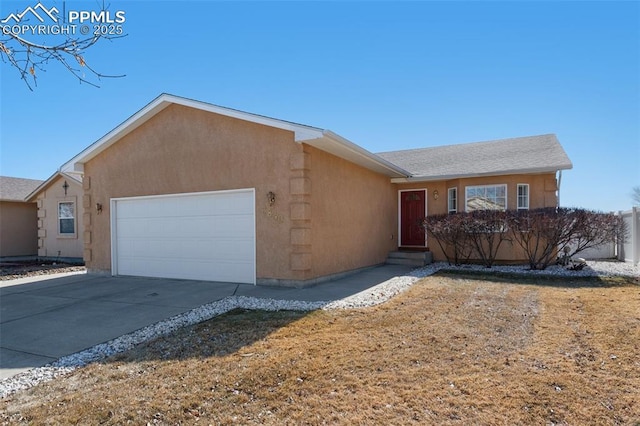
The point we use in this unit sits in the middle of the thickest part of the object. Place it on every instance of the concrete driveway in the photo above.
(44, 320)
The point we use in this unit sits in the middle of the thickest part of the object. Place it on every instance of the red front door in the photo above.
(412, 205)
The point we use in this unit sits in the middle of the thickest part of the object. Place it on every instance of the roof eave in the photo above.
(335, 144)
(530, 171)
(11, 200)
(46, 183)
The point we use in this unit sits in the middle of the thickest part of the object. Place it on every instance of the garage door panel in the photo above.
(191, 269)
(159, 226)
(205, 206)
(132, 227)
(231, 227)
(194, 227)
(224, 204)
(126, 248)
(226, 249)
(222, 248)
(207, 236)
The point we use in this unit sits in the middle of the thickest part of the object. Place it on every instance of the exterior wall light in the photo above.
(271, 197)
(435, 194)
(99, 208)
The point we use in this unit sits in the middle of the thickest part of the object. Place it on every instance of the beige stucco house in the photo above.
(18, 229)
(60, 226)
(186, 189)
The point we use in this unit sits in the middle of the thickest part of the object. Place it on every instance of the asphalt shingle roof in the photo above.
(528, 154)
(16, 189)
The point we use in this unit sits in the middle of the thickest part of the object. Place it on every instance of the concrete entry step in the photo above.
(410, 258)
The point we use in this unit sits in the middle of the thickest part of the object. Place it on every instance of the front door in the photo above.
(412, 213)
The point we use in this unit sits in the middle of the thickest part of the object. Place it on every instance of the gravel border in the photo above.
(370, 297)
(35, 271)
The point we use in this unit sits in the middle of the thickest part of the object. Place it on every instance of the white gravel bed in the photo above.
(370, 297)
(592, 269)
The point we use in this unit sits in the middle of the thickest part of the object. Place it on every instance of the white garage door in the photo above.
(199, 236)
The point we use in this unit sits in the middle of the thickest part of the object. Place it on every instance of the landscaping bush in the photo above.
(461, 236)
(487, 230)
(540, 233)
(450, 233)
(593, 229)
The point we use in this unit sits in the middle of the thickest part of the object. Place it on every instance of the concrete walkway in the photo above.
(42, 320)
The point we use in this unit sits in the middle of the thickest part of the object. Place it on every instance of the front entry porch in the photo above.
(413, 258)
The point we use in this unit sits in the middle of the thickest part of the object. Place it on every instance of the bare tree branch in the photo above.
(635, 195)
(30, 58)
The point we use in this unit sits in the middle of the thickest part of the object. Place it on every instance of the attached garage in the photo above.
(198, 236)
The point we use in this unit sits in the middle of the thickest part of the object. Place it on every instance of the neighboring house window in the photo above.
(453, 200)
(486, 197)
(523, 196)
(66, 218)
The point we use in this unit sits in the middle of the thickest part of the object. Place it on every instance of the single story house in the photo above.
(60, 225)
(18, 230)
(187, 189)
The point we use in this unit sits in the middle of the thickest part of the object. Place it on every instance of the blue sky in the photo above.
(385, 75)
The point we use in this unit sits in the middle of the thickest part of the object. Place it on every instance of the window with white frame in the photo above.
(452, 200)
(486, 197)
(523, 196)
(66, 218)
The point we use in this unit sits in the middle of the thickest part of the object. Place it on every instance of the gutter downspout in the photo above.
(559, 182)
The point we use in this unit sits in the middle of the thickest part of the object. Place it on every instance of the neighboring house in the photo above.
(186, 189)
(60, 225)
(18, 229)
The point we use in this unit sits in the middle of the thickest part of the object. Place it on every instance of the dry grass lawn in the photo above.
(452, 350)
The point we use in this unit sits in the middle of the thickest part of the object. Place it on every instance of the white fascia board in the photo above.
(46, 183)
(40, 187)
(474, 175)
(77, 178)
(301, 131)
(337, 145)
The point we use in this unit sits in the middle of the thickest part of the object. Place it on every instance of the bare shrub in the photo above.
(463, 235)
(542, 233)
(487, 230)
(537, 232)
(449, 232)
(593, 229)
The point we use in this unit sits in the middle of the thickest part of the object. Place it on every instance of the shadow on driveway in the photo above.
(45, 320)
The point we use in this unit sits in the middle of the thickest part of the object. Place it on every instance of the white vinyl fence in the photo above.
(605, 251)
(629, 249)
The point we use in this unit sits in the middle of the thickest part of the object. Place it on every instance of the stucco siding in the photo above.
(354, 215)
(184, 150)
(51, 243)
(18, 229)
(316, 214)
